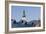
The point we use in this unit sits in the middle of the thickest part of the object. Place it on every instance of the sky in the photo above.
(32, 13)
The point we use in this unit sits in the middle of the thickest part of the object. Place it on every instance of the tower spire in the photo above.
(23, 13)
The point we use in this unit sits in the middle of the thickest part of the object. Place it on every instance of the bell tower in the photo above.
(24, 17)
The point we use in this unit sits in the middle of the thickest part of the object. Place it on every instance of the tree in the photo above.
(11, 19)
(14, 22)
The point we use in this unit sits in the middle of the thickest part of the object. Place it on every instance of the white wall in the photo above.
(2, 17)
(2, 23)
